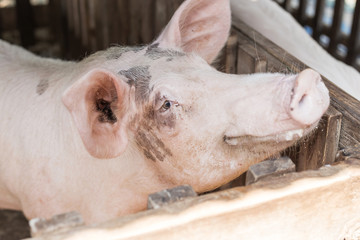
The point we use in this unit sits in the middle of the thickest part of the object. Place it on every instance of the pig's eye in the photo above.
(166, 106)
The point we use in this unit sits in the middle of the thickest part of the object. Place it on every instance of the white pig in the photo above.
(97, 136)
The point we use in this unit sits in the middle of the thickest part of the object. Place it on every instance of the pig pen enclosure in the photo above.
(318, 201)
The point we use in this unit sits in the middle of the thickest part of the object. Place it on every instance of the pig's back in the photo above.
(33, 120)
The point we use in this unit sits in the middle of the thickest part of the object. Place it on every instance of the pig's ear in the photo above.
(98, 103)
(200, 26)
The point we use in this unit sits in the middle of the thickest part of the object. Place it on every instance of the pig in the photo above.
(97, 136)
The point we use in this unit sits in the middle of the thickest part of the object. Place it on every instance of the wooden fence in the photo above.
(343, 46)
(84, 26)
(90, 25)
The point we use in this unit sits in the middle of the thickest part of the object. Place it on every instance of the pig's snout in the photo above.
(310, 98)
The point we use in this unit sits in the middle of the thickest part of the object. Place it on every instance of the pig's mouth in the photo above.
(288, 136)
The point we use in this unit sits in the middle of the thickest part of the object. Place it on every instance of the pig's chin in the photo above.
(278, 138)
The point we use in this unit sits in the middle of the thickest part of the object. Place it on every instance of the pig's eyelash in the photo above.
(167, 104)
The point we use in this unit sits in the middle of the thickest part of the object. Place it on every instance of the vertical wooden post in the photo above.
(100, 22)
(84, 26)
(78, 50)
(319, 14)
(251, 61)
(92, 24)
(147, 21)
(321, 148)
(301, 12)
(64, 29)
(354, 41)
(69, 15)
(160, 15)
(123, 21)
(135, 24)
(231, 50)
(113, 22)
(1, 23)
(55, 21)
(336, 26)
(285, 4)
(25, 22)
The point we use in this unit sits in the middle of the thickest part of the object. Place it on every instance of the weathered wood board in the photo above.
(322, 204)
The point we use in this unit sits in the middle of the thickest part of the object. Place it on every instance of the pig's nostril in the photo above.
(309, 98)
(302, 99)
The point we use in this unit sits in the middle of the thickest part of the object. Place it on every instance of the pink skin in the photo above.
(102, 134)
(215, 129)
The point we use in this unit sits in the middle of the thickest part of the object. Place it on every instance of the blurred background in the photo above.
(333, 23)
(73, 29)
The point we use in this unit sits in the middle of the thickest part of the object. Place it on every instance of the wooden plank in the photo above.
(354, 41)
(69, 28)
(161, 17)
(281, 61)
(283, 3)
(147, 21)
(318, 19)
(70, 16)
(64, 40)
(335, 31)
(250, 60)
(113, 22)
(319, 204)
(40, 17)
(167, 196)
(55, 25)
(8, 22)
(1, 23)
(286, 5)
(278, 60)
(349, 153)
(13, 225)
(25, 22)
(99, 11)
(321, 147)
(301, 12)
(273, 167)
(76, 17)
(104, 21)
(173, 6)
(135, 22)
(231, 57)
(123, 23)
(92, 25)
(84, 23)
(61, 222)
(349, 107)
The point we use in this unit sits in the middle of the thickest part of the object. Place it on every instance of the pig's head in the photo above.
(195, 125)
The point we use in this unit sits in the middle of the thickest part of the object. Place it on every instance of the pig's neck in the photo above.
(129, 179)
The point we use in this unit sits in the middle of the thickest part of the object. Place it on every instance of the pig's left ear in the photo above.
(98, 103)
(200, 26)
